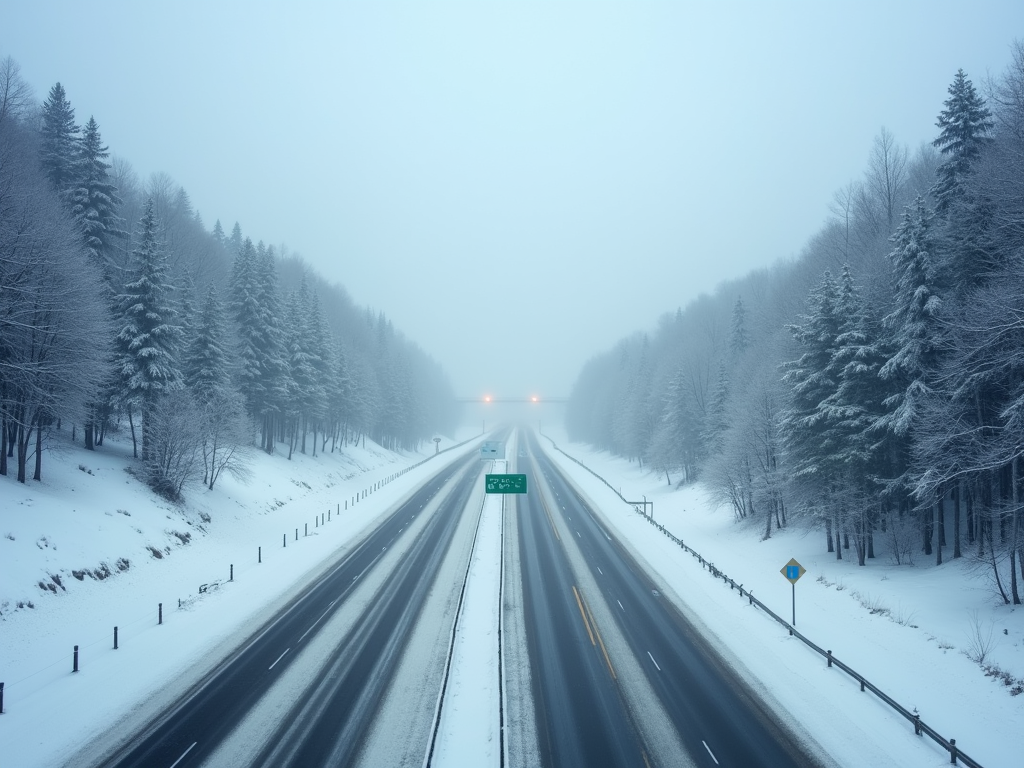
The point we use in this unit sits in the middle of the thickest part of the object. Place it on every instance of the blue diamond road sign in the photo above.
(793, 571)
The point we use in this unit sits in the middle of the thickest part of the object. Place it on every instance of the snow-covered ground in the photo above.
(907, 629)
(88, 516)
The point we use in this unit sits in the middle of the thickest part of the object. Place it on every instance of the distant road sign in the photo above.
(492, 449)
(505, 483)
(793, 571)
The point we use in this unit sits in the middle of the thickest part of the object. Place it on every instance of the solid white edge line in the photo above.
(275, 663)
(705, 747)
(183, 754)
(620, 604)
(659, 669)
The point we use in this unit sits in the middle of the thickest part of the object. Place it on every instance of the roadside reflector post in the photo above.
(159, 613)
(115, 638)
(75, 667)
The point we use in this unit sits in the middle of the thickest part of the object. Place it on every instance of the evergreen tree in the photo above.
(963, 126)
(912, 326)
(58, 147)
(739, 338)
(147, 343)
(94, 200)
(206, 362)
(809, 426)
(235, 242)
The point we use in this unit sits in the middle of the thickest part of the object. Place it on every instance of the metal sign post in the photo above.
(793, 571)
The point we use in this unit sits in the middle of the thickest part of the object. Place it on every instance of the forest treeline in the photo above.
(873, 388)
(120, 310)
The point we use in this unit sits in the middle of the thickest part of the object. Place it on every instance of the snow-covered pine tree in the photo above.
(205, 368)
(739, 336)
(274, 362)
(94, 200)
(964, 125)
(852, 412)
(147, 342)
(912, 339)
(911, 327)
(58, 147)
(810, 436)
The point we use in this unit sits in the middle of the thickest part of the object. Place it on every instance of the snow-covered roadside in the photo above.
(912, 652)
(77, 519)
(469, 726)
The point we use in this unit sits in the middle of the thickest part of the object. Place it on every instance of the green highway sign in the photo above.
(505, 483)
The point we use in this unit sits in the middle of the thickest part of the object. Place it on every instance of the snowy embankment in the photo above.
(90, 549)
(907, 629)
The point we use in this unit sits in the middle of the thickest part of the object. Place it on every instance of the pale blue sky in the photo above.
(555, 174)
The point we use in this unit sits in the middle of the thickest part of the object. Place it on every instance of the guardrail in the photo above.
(920, 727)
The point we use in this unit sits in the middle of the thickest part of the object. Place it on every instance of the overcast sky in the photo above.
(517, 185)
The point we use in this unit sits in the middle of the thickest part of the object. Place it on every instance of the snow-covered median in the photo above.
(469, 727)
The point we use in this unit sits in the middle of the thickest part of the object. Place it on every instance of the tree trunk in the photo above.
(925, 518)
(959, 492)
(995, 565)
(3, 447)
(24, 438)
(937, 506)
(135, 444)
(1014, 534)
(828, 533)
(38, 473)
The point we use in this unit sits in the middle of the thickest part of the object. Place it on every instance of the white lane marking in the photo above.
(368, 567)
(282, 656)
(620, 605)
(702, 742)
(315, 623)
(600, 571)
(578, 534)
(183, 754)
(659, 669)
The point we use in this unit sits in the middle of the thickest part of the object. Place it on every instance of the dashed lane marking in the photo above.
(705, 747)
(183, 754)
(285, 651)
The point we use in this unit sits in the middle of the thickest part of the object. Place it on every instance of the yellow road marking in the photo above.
(550, 520)
(599, 640)
(584, 615)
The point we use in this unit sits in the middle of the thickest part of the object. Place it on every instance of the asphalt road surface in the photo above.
(718, 719)
(326, 723)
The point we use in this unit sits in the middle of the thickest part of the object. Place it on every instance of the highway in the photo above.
(581, 717)
(351, 679)
(602, 669)
(719, 721)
